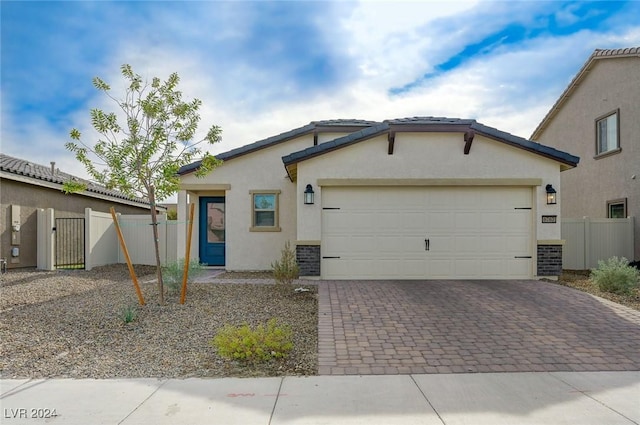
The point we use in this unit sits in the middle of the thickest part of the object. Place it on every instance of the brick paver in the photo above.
(402, 327)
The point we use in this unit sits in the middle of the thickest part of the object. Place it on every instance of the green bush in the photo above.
(616, 276)
(129, 313)
(286, 270)
(172, 273)
(265, 342)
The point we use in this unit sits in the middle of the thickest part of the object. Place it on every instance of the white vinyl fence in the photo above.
(588, 240)
(103, 247)
(101, 244)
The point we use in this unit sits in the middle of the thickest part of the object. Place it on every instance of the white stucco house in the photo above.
(412, 198)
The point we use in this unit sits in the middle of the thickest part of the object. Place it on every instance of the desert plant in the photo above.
(265, 342)
(616, 276)
(172, 273)
(286, 270)
(129, 313)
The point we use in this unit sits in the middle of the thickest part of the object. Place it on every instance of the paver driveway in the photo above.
(389, 327)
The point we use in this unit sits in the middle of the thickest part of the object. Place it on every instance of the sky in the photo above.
(261, 68)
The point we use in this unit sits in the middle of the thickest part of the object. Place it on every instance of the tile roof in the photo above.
(598, 54)
(29, 169)
(338, 143)
(430, 120)
(437, 124)
(283, 137)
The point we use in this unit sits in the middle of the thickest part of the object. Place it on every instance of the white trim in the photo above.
(433, 182)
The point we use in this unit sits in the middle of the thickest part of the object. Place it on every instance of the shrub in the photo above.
(129, 313)
(616, 276)
(265, 342)
(172, 273)
(285, 270)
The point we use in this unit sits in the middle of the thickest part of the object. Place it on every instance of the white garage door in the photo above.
(426, 233)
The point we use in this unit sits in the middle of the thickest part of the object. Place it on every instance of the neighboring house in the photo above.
(26, 187)
(412, 198)
(597, 117)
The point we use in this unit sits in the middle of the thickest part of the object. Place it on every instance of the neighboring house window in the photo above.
(607, 139)
(264, 211)
(617, 208)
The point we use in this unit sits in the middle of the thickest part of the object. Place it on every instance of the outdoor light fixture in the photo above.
(308, 195)
(551, 195)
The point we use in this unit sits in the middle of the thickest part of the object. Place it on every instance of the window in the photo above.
(617, 208)
(607, 133)
(264, 211)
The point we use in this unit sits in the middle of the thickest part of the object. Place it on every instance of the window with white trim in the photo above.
(264, 211)
(607, 135)
(617, 208)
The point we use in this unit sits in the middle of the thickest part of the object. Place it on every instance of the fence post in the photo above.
(46, 239)
(88, 248)
(630, 247)
(587, 241)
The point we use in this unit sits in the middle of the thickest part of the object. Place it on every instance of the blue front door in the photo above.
(212, 230)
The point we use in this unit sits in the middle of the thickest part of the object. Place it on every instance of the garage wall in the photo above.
(435, 156)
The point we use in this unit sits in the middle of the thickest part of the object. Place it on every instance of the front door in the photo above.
(212, 230)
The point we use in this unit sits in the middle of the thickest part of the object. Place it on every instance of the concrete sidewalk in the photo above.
(481, 398)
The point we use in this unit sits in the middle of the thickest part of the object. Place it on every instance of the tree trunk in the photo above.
(154, 224)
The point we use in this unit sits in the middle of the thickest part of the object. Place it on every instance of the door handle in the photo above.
(426, 244)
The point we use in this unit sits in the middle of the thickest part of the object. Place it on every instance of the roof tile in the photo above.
(41, 172)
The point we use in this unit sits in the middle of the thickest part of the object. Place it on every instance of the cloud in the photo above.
(262, 68)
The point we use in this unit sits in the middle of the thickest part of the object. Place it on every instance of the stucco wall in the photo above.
(30, 198)
(611, 84)
(429, 156)
(262, 170)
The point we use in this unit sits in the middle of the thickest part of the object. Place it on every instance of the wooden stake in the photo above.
(185, 273)
(126, 256)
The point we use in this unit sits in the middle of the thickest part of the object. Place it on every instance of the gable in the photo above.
(421, 156)
(314, 128)
(464, 130)
(597, 56)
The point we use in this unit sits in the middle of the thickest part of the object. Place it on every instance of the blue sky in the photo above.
(263, 67)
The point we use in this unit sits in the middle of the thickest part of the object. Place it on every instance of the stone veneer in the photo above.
(549, 260)
(308, 257)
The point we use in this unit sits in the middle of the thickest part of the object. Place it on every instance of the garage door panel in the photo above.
(519, 268)
(441, 268)
(440, 221)
(517, 220)
(517, 244)
(473, 232)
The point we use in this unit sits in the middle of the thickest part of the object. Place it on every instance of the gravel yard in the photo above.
(70, 324)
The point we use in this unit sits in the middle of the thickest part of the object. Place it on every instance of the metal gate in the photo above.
(69, 243)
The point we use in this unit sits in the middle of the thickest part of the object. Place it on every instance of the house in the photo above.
(26, 187)
(413, 198)
(597, 117)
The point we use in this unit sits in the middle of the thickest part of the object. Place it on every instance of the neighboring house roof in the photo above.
(345, 125)
(597, 55)
(432, 124)
(29, 172)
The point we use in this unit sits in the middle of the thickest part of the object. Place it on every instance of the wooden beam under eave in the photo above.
(315, 138)
(468, 138)
(391, 136)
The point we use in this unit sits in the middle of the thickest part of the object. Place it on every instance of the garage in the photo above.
(433, 232)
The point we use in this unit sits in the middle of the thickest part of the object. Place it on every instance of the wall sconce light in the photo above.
(551, 195)
(308, 195)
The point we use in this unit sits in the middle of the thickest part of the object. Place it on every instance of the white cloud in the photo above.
(382, 45)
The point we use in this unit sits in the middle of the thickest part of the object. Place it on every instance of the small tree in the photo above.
(286, 269)
(141, 158)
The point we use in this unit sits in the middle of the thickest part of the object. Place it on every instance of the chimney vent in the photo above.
(53, 167)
